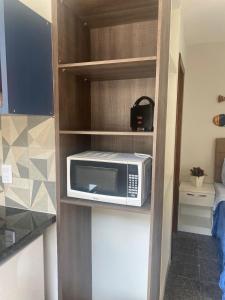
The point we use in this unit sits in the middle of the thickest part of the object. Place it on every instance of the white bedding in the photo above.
(220, 193)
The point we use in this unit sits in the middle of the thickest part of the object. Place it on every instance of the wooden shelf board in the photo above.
(97, 13)
(141, 67)
(110, 133)
(145, 209)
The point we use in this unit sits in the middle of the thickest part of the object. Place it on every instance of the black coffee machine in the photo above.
(142, 116)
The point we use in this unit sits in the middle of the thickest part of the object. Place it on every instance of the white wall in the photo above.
(120, 248)
(204, 81)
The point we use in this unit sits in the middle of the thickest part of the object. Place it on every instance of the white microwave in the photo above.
(119, 178)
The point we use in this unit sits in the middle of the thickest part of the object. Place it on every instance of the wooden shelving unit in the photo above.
(107, 54)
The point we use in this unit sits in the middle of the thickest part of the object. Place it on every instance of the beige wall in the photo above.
(204, 81)
(42, 7)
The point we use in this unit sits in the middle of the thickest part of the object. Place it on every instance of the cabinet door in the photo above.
(26, 60)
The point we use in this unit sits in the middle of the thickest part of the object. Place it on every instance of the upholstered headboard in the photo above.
(219, 158)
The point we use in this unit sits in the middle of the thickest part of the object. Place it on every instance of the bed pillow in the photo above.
(223, 173)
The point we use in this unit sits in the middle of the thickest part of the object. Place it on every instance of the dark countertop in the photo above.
(18, 228)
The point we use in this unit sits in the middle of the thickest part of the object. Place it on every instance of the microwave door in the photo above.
(99, 178)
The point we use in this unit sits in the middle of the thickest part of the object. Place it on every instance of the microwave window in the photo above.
(100, 180)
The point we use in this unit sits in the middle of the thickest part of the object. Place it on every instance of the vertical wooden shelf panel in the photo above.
(75, 255)
(159, 149)
(107, 54)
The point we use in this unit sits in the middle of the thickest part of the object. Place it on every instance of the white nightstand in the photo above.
(195, 208)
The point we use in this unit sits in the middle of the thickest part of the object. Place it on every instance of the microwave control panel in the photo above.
(132, 181)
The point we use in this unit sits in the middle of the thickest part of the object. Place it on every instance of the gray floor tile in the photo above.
(185, 246)
(186, 258)
(178, 268)
(194, 271)
(206, 238)
(209, 271)
(210, 291)
(186, 235)
(182, 295)
(176, 281)
(180, 288)
(208, 249)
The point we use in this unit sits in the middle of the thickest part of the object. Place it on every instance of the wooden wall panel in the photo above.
(74, 37)
(111, 102)
(74, 103)
(122, 144)
(219, 158)
(94, 7)
(98, 13)
(124, 41)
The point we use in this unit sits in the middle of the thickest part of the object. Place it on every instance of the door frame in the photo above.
(178, 138)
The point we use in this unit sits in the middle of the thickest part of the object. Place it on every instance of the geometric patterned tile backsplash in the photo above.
(28, 144)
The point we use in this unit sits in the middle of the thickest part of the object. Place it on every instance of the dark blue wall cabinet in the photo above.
(26, 60)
